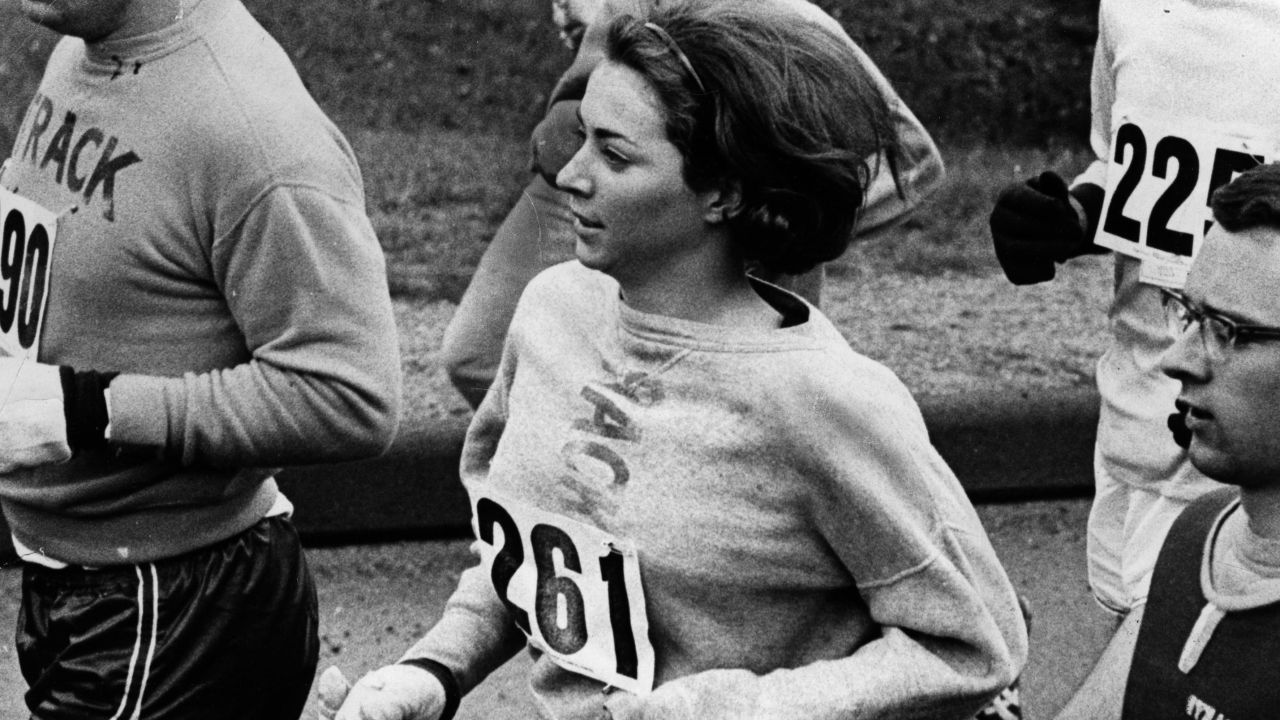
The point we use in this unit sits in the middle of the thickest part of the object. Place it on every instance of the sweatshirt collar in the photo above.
(116, 53)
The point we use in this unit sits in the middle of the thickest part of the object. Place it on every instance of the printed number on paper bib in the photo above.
(27, 232)
(572, 588)
(1158, 187)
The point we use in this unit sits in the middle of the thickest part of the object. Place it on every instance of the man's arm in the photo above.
(305, 281)
(1101, 695)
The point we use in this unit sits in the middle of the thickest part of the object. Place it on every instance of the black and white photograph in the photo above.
(639, 359)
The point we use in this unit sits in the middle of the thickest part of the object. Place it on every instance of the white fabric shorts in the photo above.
(1127, 527)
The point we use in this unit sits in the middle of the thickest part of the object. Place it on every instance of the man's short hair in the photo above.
(1251, 200)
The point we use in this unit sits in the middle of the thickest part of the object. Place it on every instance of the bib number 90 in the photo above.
(26, 255)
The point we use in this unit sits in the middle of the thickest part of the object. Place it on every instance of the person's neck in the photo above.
(712, 290)
(1262, 506)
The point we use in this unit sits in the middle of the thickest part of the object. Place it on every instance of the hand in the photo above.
(555, 140)
(33, 426)
(331, 692)
(1034, 225)
(394, 692)
(571, 17)
(49, 412)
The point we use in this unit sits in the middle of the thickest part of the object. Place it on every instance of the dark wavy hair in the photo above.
(777, 105)
(1251, 200)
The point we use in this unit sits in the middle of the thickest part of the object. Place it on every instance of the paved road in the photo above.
(375, 599)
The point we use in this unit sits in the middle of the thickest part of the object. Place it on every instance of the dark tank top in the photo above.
(1237, 676)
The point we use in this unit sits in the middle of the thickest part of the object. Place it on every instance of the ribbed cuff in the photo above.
(1090, 197)
(452, 694)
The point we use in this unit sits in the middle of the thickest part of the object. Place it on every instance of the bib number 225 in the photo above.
(1147, 206)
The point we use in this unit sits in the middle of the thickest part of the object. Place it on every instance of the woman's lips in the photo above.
(586, 222)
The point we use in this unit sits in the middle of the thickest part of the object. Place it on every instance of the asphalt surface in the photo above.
(376, 599)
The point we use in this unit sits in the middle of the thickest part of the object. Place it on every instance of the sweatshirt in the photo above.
(766, 503)
(213, 249)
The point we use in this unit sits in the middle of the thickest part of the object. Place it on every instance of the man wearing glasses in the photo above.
(1205, 642)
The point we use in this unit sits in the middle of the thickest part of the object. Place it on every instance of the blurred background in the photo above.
(438, 96)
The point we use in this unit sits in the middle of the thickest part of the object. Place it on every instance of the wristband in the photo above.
(452, 694)
(84, 405)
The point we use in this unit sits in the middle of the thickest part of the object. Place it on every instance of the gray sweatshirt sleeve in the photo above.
(304, 279)
(475, 634)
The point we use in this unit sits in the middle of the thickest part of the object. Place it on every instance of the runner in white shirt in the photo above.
(1183, 101)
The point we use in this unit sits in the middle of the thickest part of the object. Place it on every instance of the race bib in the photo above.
(572, 588)
(27, 232)
(1159, 182)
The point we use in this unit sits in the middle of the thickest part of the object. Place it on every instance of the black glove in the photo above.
(1034, 226)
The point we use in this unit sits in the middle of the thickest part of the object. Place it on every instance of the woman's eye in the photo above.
(613, 157)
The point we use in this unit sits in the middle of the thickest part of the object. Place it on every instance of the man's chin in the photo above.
(1211, 462)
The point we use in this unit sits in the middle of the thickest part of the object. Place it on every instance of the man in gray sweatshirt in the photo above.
(191, 295)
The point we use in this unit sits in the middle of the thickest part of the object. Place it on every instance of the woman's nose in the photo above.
(571, 177)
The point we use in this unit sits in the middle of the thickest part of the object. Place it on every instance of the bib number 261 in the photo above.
(571, 589)
(27, 233)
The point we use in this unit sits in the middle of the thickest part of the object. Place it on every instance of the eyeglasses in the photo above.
(1218, 333)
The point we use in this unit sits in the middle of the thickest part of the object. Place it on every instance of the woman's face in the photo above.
(633, 213)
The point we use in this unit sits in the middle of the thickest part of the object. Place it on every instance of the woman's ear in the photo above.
(724, 202)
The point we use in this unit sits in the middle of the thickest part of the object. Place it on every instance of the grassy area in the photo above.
(435, 199)
(1000, 71)
(438, 97)
(995, 70)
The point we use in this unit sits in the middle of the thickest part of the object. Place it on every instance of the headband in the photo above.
(675, 50)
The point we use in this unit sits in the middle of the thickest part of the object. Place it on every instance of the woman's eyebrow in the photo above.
(600, 132)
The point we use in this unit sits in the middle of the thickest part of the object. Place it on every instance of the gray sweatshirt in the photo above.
(213, 248)
(800, 548)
